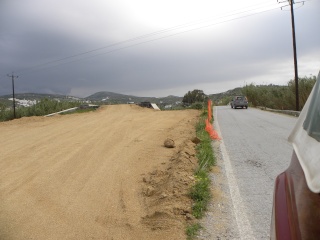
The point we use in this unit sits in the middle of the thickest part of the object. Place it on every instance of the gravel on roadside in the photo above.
(219, 221)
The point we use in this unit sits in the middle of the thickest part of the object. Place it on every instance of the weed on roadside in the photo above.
(192, 230)
(200, 192)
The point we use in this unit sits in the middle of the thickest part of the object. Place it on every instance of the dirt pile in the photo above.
(166, 190)
(98, 175)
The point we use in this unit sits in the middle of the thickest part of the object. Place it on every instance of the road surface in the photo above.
(255, 150)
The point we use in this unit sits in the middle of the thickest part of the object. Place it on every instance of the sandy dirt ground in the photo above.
(98, 175)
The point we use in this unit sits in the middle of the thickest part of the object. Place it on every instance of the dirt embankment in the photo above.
(98, 175)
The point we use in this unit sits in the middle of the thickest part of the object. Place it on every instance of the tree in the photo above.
(194, 96)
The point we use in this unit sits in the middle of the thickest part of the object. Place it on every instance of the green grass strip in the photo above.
(192, 230)
(200, 193)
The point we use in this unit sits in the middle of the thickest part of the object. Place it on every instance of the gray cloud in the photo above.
(223, 56)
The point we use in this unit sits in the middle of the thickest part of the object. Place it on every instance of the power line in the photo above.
(181, 26)
(167, 36)
(296, 79)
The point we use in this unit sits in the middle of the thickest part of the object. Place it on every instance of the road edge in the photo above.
(244, 226)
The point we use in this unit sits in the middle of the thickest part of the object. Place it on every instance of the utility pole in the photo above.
(291, 2)
(13, 97)
(294, 55)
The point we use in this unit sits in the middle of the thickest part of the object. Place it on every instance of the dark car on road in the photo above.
(296, 201)
(239, 101)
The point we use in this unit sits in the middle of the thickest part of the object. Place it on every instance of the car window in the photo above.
(312, 121)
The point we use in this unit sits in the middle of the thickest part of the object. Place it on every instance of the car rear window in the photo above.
(239, 98)
(312, 121)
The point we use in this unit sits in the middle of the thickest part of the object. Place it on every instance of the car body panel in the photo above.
(305, 139)
(296, 202)
(296, 209)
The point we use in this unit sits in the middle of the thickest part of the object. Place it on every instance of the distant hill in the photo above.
(224, 97)
(4, 100)
(99, 97)
(105, 97)
(111, 97)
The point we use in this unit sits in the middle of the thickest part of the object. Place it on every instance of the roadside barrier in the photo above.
(209, 127)
(67, 110)
(288, 112)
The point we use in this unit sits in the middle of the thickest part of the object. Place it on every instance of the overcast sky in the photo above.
(153, 48)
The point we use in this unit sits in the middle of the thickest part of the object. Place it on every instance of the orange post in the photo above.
(209, 110)
(209, 128)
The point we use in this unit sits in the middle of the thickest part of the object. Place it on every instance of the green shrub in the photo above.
(279, 97)
(192, 230)
(200, 193)
(197, 105)
(42, 108)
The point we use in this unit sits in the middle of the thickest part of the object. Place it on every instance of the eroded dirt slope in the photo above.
(98, 175)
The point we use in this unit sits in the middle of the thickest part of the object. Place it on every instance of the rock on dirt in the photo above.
(169, 143)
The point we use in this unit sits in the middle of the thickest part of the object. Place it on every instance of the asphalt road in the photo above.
(255, 150)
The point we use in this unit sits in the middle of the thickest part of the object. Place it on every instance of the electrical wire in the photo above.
(84, 55)
(167, 36)
(63, 60)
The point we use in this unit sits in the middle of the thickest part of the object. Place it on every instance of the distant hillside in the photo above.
(99, 97)
(225, 97)
(117, 98)
(106, 97)
(111, 97)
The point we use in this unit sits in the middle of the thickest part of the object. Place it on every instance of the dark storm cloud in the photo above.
(44, 42)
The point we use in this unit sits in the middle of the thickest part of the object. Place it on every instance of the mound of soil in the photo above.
(97, 175)
(166, 190)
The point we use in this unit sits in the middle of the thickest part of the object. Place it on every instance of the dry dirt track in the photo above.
(98, 175)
